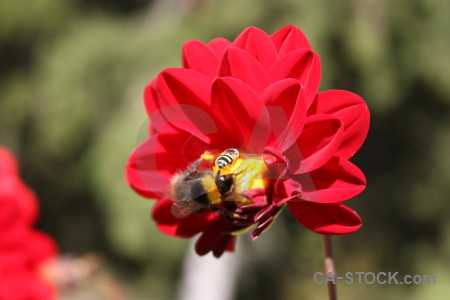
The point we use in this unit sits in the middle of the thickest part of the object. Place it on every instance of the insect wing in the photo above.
(182, 210)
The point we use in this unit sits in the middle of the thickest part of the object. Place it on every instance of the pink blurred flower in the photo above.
(23, 250)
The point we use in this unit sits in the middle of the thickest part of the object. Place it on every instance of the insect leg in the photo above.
(229, 214)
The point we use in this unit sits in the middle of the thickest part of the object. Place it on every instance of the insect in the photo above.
(225, 182)
(198, 189)
(227, 157)
(193, 191)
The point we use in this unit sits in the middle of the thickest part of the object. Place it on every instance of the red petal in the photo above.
(214, 239)
(241, 110)
(184, 228)
(200, 57)
(286, 105)
(155, 113)
(287, 190)
(261, 227)
(257, 43)
(231, 243)
(150, 98)
(325, 218)
(352, 110)
(40, 247)
(257, 196)
(176, 101)
(13, 257)
(289, 38)
(302, 64)
(25, 285)
(240, 64)
(319, 140)
(18, 204)
(226, 243)
(336, 181)
(141, 173)
(8, 163)
(183, 86)
(184, 101)
(154, 162)
(219, 45)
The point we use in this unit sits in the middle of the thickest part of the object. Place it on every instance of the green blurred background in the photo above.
(71, 79)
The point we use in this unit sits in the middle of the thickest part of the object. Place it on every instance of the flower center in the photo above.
(245, 174)
(232, 183)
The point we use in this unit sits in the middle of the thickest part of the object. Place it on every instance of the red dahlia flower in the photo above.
(23, 250)
(257, 94)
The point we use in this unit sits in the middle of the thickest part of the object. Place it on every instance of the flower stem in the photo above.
(329, 266)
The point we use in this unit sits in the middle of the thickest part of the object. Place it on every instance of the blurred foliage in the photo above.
(71, 79)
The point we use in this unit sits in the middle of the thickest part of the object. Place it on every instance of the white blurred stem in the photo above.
(207, 277)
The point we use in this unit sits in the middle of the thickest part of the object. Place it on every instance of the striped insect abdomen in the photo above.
(227, 157)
